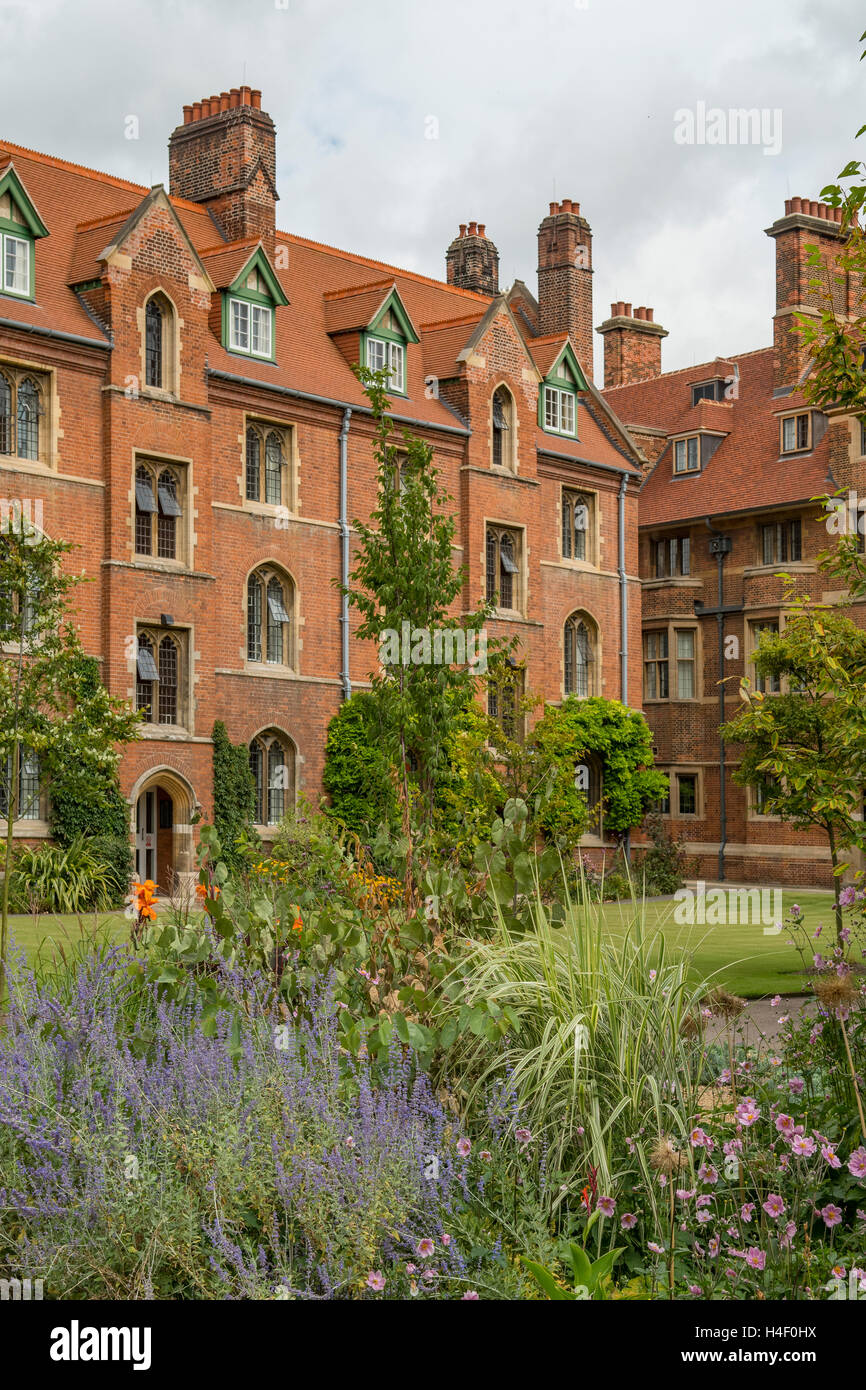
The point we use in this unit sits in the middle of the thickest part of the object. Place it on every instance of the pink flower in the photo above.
(464, 1147)
(755, 1258)
(485, 1155)
(774, 1206)
(830, 1156)
(685, 1194)
(628, 1221)
(697, 1138)
(376, 1280)
(656, 1249)
(606, 1205)
(747, 1211)
(704, 1216)
(425, 1247)
(832, 1215)
(695, 1290)
(788, 1235)
(707, 1173)
(715, 1246)
(796, 1085)
(410, 1269)
(857, 1163)
(747, 1112)
(446, 1239)
(470, 1296)
(775, 1001)
(523, 1136)
(803, 1146)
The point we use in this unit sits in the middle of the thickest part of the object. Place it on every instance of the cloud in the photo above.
(528, 102)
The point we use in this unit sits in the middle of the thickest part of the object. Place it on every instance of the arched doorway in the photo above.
(162, 804)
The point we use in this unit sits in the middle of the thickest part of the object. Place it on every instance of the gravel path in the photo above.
(760, 1019)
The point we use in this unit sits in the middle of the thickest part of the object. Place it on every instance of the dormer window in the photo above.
(557, 412)
(708, 391)
(389, 357)
(20, 226)
(687, 455)
(248, 309)
(251, 328)
(386, 349)
(796, 433)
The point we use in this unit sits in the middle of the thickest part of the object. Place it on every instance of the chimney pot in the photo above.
(795, 205)
(565, 205)
(196, 110)
(627, 311)
(787, 206)
(553, 210)
(246, 95)
(473, 228)
(462, 228)
(224, 101)
(649, 315)
(187, 115)
(257, 99)
(481, 229)
(235, 95)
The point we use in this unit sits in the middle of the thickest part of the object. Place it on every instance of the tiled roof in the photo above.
(329, 290)
(746, 471)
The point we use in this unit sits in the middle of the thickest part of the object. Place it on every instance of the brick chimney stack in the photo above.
(632, 345)
(565, 277)
(472, 260)
(807, 223)
(224, 156)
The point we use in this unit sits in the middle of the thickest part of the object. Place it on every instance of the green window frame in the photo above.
(387, 353)
(16, 262)
(250, 327)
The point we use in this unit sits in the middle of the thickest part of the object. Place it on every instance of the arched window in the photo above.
(6, 431)
(270, 600)
(272, 763)
(254, 465)
(158, 507)
(147, 674)
(576, 521)
(266, 465)
(169, 511)
(579, 656)
(502, 412)
(274, 469)
(503, 569)
(28, 419)
(154, 342)
(145, 510)
(168, 680)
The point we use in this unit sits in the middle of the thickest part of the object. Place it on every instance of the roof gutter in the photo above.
(35, 329)
(590, 463)
(330, 400)
(345, 681)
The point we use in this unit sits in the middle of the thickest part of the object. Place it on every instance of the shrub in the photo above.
(357, 776)
(233, 794)
(663, 865)
(57, 878)
(114, 853)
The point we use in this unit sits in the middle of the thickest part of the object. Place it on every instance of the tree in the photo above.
(804, 749)
(40, 677)
(404, 585)
(564, 745)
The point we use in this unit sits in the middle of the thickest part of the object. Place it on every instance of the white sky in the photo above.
(534, 100)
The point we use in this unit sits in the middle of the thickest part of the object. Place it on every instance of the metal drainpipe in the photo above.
(345, 682)
(623, 623)
(623, 596)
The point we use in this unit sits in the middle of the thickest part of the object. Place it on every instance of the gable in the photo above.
(257, 279)
(17, 210)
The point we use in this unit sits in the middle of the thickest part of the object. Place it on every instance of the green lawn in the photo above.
(740, 957)
(50, 931)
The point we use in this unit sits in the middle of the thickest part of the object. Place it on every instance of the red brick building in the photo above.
(734, 457)
(177, 399)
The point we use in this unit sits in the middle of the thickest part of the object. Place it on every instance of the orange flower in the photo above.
(202, 891)
(298, 924)
(145, 899)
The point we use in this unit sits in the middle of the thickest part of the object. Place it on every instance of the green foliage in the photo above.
(404, 575)
(663, 865)
(233, 793)
(620, 739)
(50, 700)
(591, 1277)
(62, 878)
(357, 775)
(806, 746)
